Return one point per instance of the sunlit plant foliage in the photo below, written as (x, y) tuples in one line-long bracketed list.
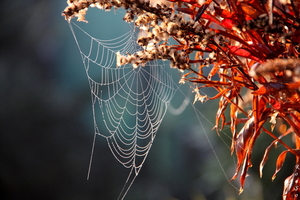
[(251, 49)]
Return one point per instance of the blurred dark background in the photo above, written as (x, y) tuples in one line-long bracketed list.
[(47, 127)]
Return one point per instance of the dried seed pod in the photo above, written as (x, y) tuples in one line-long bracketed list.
[(143, 41), (275, 65), (172, 28), (128, 16)]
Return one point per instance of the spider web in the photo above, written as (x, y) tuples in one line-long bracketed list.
[(129, 102)]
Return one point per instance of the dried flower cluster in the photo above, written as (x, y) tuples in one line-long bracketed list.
[(247, 44)]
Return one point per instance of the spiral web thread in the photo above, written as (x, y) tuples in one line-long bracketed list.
[(129, 103)]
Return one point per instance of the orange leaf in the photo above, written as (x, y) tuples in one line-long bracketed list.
[(249, 10), (223, 103), (222, 93), (279, 163), (233, 120), (267, 151), (265, 158), (247, 163), (269, 88)]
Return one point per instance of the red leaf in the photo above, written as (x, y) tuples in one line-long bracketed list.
[(265, 51), (296, 36), (242, 145), (229, 23), (224, 13), (211, 18), (238, 39), (242, 52)]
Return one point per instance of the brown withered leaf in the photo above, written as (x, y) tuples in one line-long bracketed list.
[(225, 99), (244, 144), (241, 146)]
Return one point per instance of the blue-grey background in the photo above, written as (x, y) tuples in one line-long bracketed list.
[(47, 127)]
